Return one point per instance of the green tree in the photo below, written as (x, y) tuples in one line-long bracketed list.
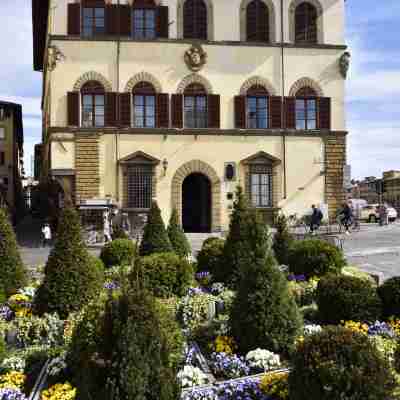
[(177, 237), (283, 239), (13, 274), (264, 314), (72, 278), (155, 238)]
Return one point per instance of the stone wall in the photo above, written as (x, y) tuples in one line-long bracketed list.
[(335, 159), (87, 166)]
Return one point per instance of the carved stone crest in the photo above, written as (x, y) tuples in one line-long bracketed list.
[(344, 64), (195, 58), (54, 56)]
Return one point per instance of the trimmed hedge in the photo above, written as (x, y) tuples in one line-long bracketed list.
[(164, 274), (389, 292), (338, 363), (344, 298), (118, 252), (313, 257), (209, 257)]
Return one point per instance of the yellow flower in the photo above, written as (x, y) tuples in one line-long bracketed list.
[(356, 326), (276, 385), (224, 344), (13, 380), (395, 325), (59, 391)]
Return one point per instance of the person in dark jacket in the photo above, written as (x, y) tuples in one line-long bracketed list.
[(347, 217), (316, 219)]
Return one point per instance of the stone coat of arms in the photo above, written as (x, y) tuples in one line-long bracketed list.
[(195, 58)]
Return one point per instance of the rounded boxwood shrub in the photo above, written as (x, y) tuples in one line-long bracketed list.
[(13, 274), (164, 274), (313, 257), (344, 298), (209, 257), (71, 277), (338, 363), (118, 252), (389, 292)]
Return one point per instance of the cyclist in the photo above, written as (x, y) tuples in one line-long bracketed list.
[(346, 217), (316, 218)]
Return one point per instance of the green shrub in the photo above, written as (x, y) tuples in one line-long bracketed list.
[(97, 263), (396, 361), (389, 292), (283, 240), (118, 252), (177, 237), (13, 274), (338, 363), (314, 257), (164, 274), (264, 314), (119, 233), (344, 298), (71, 278), (3, 349), (209, 257), (155, 238)]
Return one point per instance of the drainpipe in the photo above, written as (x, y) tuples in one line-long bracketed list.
[(283, 107), (117, 111)]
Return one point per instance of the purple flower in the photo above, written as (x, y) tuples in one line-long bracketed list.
[(381, 329), (202, 275), (193, 291), (6, 313), (111, 285), (229, 366), (297, 278), (11, 394)]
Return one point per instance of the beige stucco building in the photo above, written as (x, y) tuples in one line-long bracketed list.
[(182, 100)]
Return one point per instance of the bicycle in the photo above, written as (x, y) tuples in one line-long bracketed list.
[(353, 226)]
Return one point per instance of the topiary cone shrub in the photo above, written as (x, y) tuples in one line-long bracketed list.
[(283, 240), (345, 298), (389, 293), (177, 237), (118, 252), (209, 258), (338, 363), (72, 278), (155, 238), (13, 274), (264, 314)]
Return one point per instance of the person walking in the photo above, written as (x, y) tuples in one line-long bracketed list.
[(46, 231), (316, 218)]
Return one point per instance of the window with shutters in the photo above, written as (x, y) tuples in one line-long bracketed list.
[(261, 185), (93, 104), (144, 23), (257, 21), (140, 185), (306, 109), (257, 108), (195, 106), (144, 105), (195, 20), (306, 23), (93, 20)]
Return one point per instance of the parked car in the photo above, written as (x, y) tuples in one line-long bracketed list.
[(370, 213)]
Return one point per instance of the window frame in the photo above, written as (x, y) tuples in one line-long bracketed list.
[(310, 31), (142, 195), (144, 9), (307, 95), (196, 92), (258, 93), (145, 90), (93, 18), (197, 20), (93, 90), (260, 171), (257, 22)]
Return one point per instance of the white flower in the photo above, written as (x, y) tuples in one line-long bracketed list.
[(14, 364), (191, 376), (312, 329), (263, 359)]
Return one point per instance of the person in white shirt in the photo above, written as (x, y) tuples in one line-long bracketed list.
[(46, 231)]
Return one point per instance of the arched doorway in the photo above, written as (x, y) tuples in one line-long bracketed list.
[(196, 203)]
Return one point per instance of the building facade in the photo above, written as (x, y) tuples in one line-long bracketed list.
[(11, 153), (181, 101)]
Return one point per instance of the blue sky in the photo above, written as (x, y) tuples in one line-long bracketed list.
[(373, 87)]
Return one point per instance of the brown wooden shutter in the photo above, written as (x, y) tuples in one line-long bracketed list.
[(111, 19), (290, 112), (177, 110), (125, 109), (111, 109), (324, 113), (125, 20), (74, 19), (240, 112), (214, 111), (163, 22), (275, 112), (162, 110), (73, 108)]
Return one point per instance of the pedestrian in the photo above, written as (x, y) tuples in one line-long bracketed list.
[(347, 217), (383, 215), (46, 231), (107, 226), (316, 219)]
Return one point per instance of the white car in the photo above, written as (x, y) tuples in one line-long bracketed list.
[(370, 213)]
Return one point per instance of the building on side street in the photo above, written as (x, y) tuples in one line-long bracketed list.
[(180, 101), (11, 157)]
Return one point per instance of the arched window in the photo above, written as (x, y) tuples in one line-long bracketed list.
[(306, 109), (306, 23), (144, 14), (93, 18), (257, 21), (195, 19), (257, 107), (93, 99), (195, 106), (144, 105)]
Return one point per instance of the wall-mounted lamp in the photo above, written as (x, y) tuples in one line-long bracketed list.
[(165, 165)]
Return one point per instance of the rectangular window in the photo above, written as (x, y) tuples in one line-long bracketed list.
[(261, 186), (2, 158), (140, 186), (257, 112), (144, 111), (144, 23), (92, 110), (196, 115), (93, 20), (2, 133), (306, 114)]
